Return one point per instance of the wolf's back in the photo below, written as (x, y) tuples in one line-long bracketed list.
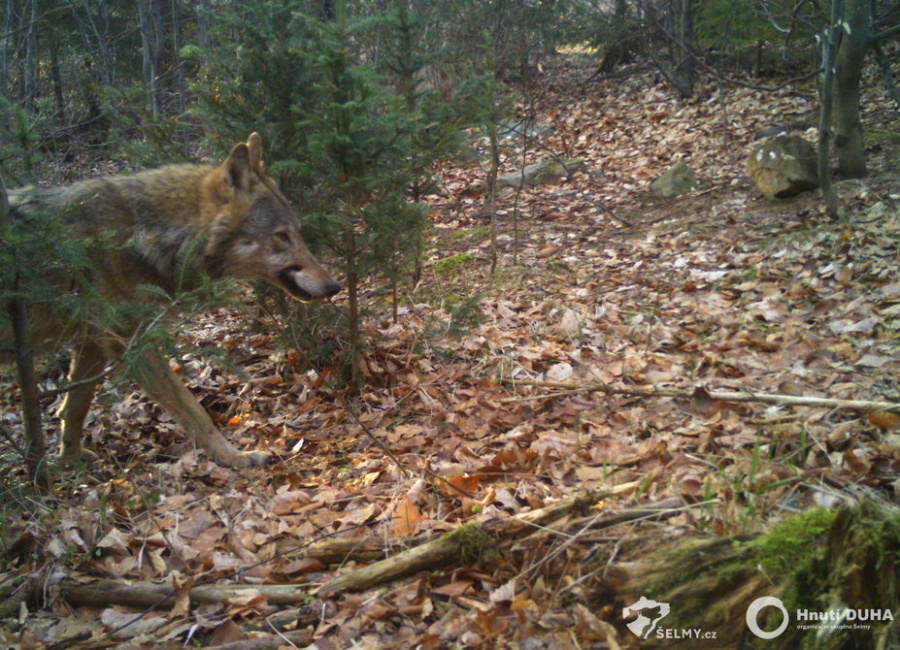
[(168, 195)]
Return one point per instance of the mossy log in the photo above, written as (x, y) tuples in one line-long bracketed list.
[(467, 544), (834, 571)]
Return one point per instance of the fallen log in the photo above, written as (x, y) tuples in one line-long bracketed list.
[(144, 594), (337, 551), (465, 545), (824, 579)]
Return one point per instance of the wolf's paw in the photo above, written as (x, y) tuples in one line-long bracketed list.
[(77, 459), (248, 459), (257, 458)]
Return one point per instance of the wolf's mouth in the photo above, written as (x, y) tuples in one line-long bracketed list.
[(289, 279)]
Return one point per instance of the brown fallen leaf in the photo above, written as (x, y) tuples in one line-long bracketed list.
[(406, 518), (181, 585), (884, 419), (547, 251)]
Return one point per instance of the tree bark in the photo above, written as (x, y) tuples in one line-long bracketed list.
[(152, 42), (829, 49), (100, 58), (159, 595), (856, 39), (6, 50), (17, 308), (885, 65), (56, 77), (684, 71), (454, 545)]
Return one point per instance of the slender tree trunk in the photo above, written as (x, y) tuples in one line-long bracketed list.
[(354, 381), (56, 77), (621, 39), (88, 90), (884, 64), (152, 42), (203, 12), (5, 49), (684, 71), (180, 83), (17, 308), (94, 30), (829, 47), (490, 191), (856, 39), (29, 77)]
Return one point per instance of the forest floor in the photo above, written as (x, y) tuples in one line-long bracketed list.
[(498, 392)]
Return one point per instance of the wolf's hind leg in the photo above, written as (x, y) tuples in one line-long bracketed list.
[(160, 382), (87, 363)]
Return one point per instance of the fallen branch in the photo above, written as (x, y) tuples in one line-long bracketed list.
[(101, 593), (339, 551), (464, 545), (461, 543), (453, 545), (700, 393)]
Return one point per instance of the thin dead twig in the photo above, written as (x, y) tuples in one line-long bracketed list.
[(698, 393)]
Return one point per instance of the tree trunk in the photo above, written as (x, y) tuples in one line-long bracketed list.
[(56, 77), (6, 50), (848, 133), (17, 308), (884, 64), (684, 71), (152, 41), (354, 380), (29, 78), (181, 90), (490, 193), (203, 12), (621, 42), (829, 48), (99, 42)]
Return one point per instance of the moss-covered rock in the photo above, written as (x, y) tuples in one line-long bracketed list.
[(545, 172)]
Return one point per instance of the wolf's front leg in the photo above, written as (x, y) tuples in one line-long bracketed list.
[(160, 382), (87, 364)]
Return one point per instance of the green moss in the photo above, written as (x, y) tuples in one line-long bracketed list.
[(449, 265), (476, 233), (794, 543), (474, 544), (701, 574)]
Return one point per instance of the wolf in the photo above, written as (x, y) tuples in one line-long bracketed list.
[(166, 227)]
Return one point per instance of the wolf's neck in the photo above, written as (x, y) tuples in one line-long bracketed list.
[(174, 254)]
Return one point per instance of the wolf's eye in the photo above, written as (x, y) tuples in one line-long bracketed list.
[(245, 244), (284, 238)]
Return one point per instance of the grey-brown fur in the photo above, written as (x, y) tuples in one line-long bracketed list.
[(166, 227)]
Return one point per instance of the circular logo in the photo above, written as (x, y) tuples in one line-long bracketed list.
[(753, 613)]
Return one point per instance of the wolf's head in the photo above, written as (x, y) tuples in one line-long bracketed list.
[(255, 233)]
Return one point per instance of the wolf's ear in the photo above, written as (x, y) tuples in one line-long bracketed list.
[(254, 144), (238, 169)]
